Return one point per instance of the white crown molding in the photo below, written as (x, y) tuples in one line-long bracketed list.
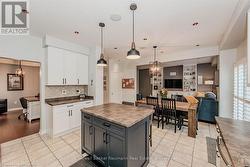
[(241, 8)]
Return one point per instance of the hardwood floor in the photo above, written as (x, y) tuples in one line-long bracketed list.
[(12, 128)]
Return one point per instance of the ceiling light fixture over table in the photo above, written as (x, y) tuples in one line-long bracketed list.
[(133, 53), (155, 66), (102, 62)]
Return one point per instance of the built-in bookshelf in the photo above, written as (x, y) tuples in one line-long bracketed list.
[(189, 78)]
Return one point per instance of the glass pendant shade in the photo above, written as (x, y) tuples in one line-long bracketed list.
[(19, 70)]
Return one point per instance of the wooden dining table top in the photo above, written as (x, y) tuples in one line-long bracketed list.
[(181, 106)]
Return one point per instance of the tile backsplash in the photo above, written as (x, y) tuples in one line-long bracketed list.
[(65, 91)]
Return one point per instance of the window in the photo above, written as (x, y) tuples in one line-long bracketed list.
[(241, 92)]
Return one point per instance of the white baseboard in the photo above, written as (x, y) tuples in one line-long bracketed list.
[(14, 109)]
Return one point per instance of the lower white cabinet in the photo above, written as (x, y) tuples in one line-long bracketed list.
[(64, 118)]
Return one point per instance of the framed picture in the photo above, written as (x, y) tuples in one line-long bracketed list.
[(14, 82), (128, 83)]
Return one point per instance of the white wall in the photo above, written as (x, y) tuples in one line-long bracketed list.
[(124, 68), (227, 59)]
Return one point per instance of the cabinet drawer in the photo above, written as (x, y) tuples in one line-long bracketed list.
[(117, 129), (87, 117)]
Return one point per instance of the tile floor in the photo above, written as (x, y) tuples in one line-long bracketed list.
[(169, 149)]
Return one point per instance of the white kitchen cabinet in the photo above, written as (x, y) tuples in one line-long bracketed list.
[(55, 67), (60, 119), (66, 68), (64, 118), (82, 69)]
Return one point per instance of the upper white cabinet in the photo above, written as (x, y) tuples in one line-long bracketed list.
[(66, 68)]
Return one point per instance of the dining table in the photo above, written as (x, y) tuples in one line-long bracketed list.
[(184, 107)]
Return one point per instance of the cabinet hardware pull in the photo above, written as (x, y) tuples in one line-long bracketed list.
[(104, 137), (107, 138), (90, 130), (78, 81), (87, 117), (106, 124), (221, 154), (69, 113), (65, 81)]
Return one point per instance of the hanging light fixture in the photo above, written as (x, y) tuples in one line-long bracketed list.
[(19, 70), (155, 66), (102, 62), (133, 53)]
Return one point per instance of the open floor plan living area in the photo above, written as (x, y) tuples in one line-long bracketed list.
[(115, 83)]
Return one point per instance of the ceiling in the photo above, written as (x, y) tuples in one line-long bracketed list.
[(16, 62), (166, 23)]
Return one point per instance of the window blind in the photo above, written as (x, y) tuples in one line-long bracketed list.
[(241, 105)]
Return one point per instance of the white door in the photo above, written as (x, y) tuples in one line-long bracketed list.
[(55, 63), (70, 67), (82, 69), (61, 119), (115, 93)]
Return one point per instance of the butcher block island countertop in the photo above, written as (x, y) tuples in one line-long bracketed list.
[(120, 114), (116, 135)]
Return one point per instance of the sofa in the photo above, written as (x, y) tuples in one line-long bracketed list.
[(208, 109)]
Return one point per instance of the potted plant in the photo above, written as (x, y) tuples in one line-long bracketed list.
[(164, 93)]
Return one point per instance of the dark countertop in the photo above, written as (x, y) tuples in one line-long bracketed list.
[(32, 99), (67, 100), (236, 135), (120, 114)]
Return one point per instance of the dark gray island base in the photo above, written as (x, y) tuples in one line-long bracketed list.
[(116, 135)]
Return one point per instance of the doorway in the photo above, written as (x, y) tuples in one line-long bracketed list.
[(20, 107), (145, 88)]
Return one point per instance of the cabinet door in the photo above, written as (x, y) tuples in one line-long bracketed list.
[(87, 138), (100, 146), (82, 69), (75, 118), (70, 69), (55, 69), (61, 119), (116, 150)]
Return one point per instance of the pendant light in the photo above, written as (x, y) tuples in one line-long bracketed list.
[(133, 53), (102, 62), (19, 70), (155, 66)]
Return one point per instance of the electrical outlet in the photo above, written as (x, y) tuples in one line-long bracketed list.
[(64, 92)]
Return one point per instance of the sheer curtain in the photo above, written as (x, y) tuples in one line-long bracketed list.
[(241, 92)]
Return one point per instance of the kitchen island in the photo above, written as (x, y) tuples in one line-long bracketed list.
[(116, 134)]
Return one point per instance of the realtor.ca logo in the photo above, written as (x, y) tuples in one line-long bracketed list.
[(14, 17)]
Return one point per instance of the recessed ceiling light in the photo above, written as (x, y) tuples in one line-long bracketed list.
[(76, 32), (195, 23), (197, 45), (115, 48), (145, 39), (115, 17)]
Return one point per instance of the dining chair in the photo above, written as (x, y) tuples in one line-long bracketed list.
[(169, 112), (153, 101)]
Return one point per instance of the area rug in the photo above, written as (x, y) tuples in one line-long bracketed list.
[(85, 162), (211, 150)]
